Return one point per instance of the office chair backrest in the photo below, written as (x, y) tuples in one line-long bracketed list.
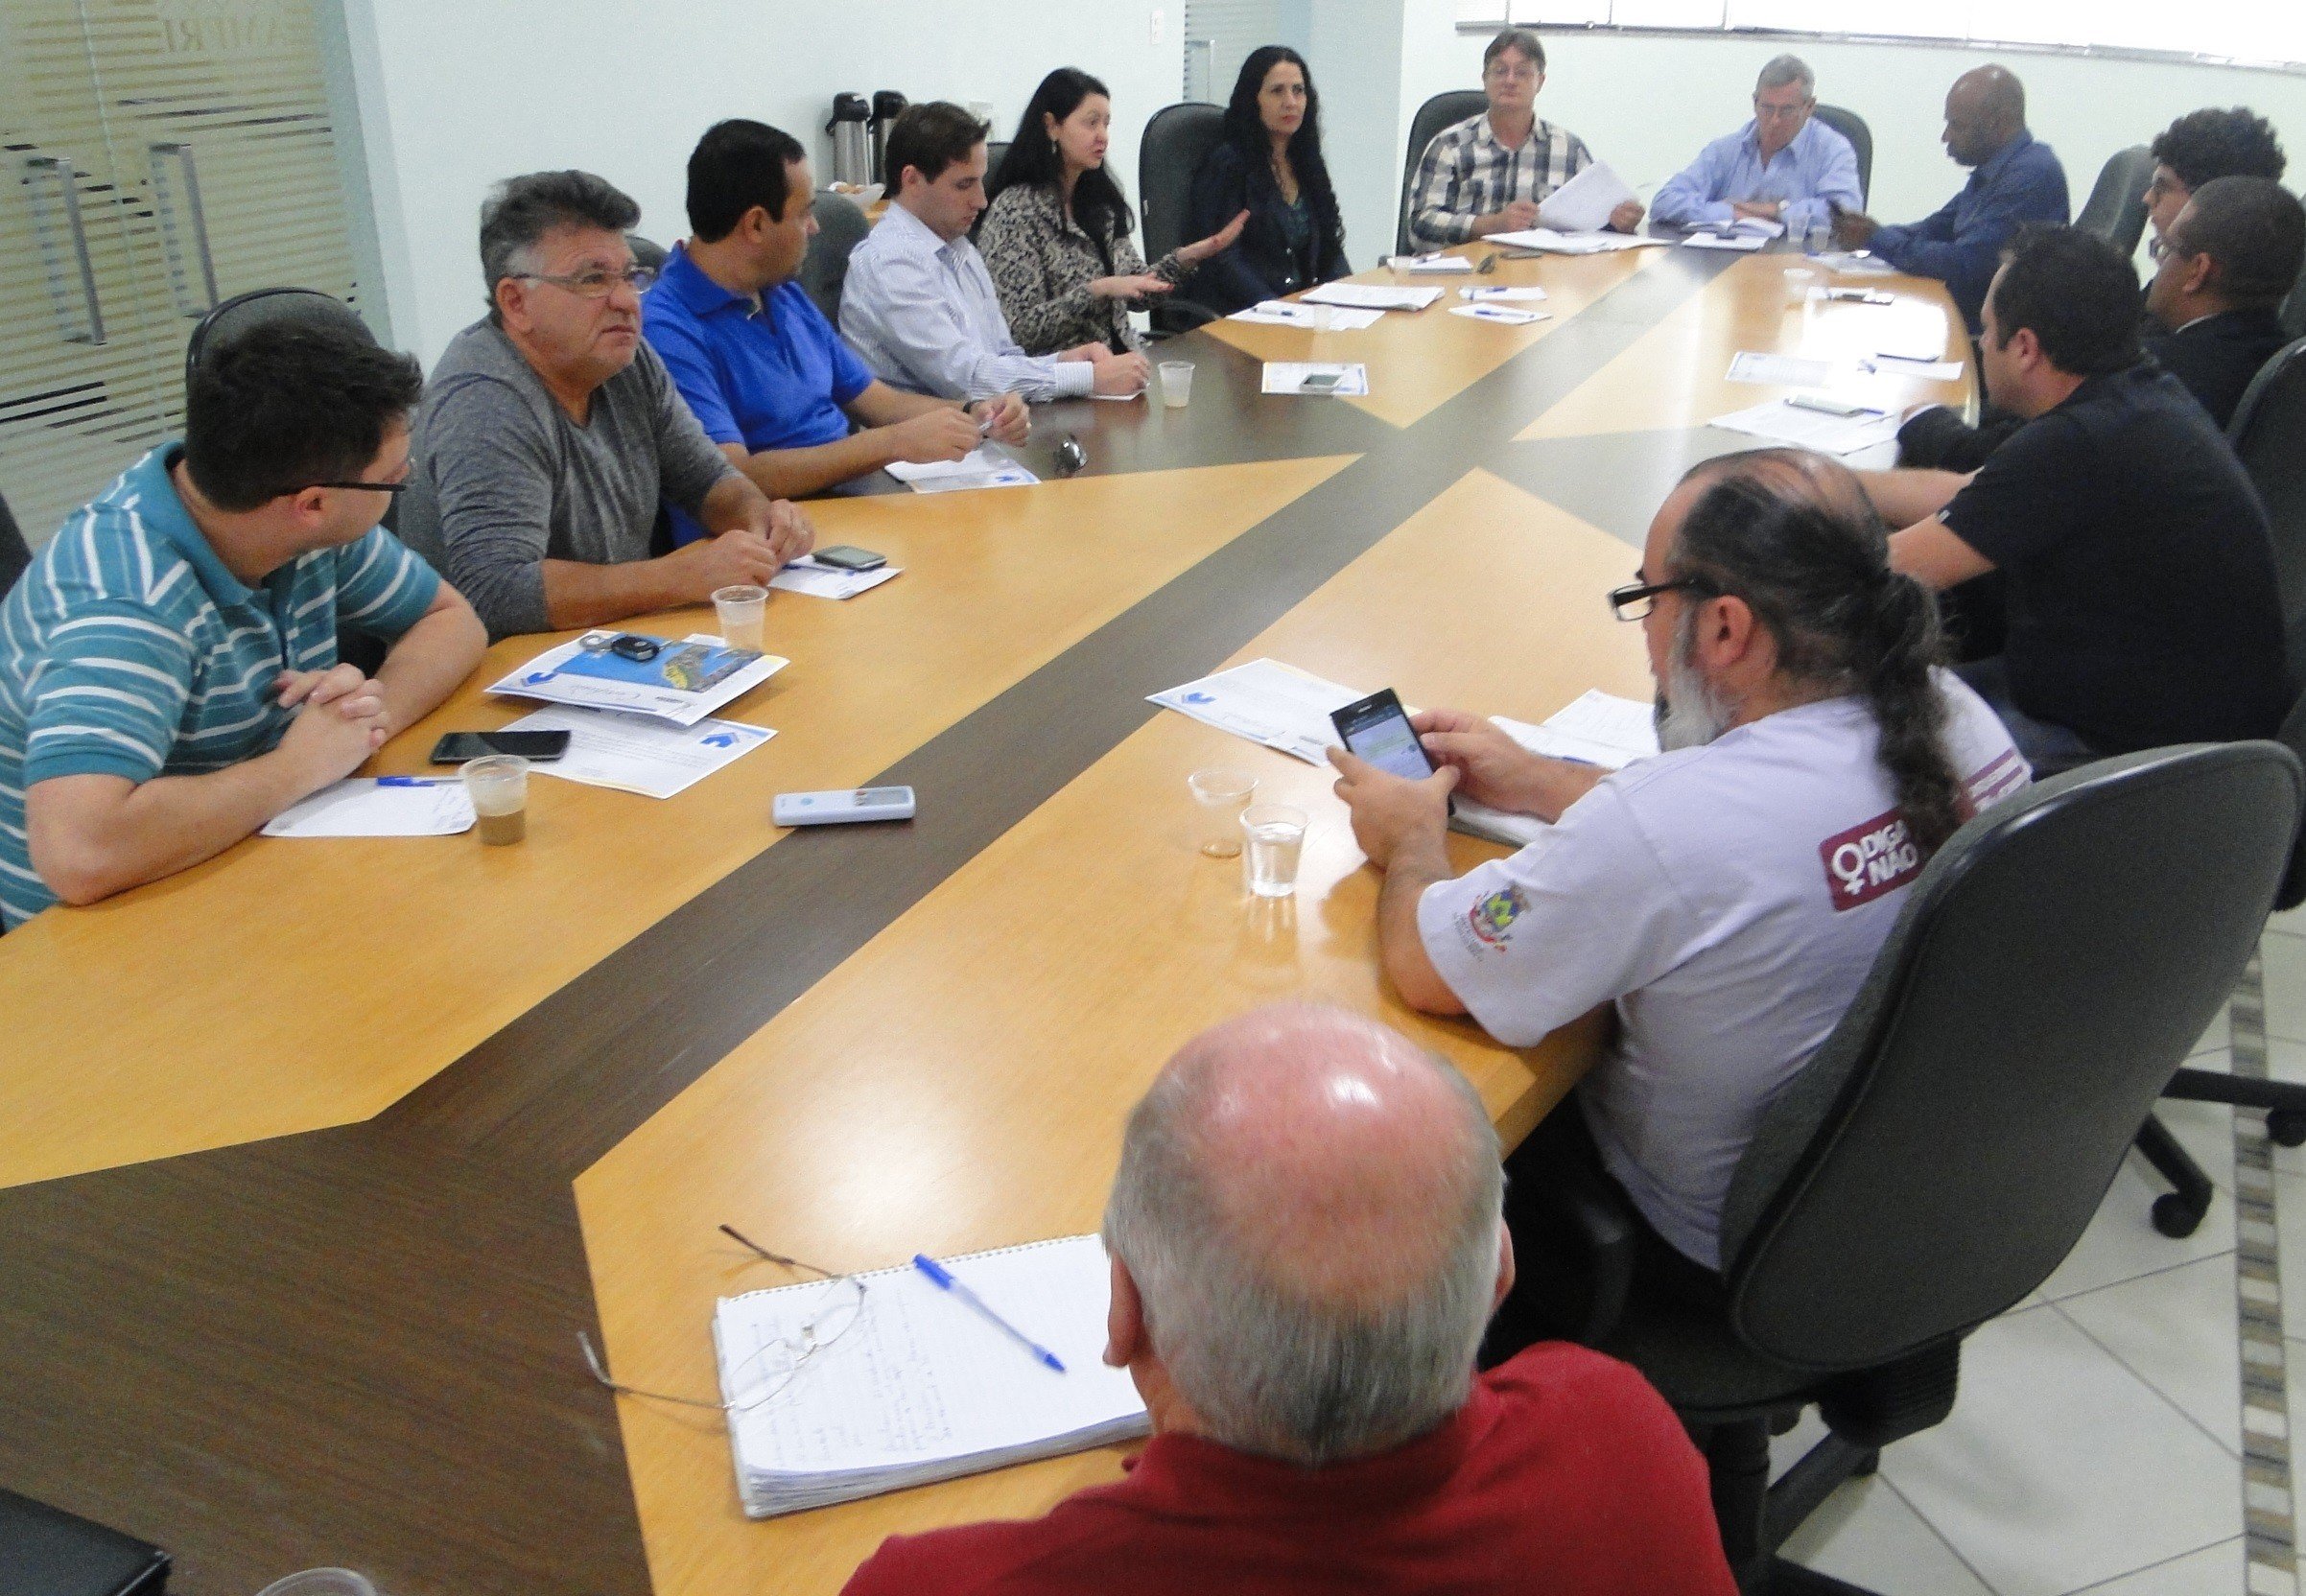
[(2294, 309), (995, 150), (2116, 210), (14, 552), (841, 227), (1945, 1147), (646, 251), (1852, 127), (2269, 433), (1440, 111), (1169, 156), (260, 306)]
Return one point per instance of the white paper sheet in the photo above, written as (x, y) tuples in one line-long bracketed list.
[(1548, 241), (1318, 318), (1370, 297), (1854, 263), (1530, 295), (829, 581), (984, 466), (1436, 262), (633, 755), (1760, 227), (1290, 377), (1583, 204), (1267, 702), (1598, 729), (1505, 316), (1746, 242), (1751, 366), (1927, 371), (422, 805), (538, 679), (1831, 435)]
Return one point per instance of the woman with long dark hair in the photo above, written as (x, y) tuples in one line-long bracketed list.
[(1056, 236), (1269, 165)]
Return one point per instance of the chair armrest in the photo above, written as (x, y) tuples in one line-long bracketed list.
[(1173, 316)]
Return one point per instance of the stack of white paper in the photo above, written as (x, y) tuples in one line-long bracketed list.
[(1725, 240), (1368, 296), (1435, 262), (1290, 377), (543, 678), (1548, 241), (918, 1387), (1319, 318), (1583, 204), (633, 755), (984, 466), (1267, 702), (828, 582), (386, 806), (1783, 422), (1599, 729)]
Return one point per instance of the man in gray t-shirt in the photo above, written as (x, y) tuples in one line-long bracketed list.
[(549, 434)]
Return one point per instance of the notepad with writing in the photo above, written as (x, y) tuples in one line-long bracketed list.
[(920, 1388)]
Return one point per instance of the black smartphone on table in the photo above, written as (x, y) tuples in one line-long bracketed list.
[(847, 556), (1377, 729), (456, 747)]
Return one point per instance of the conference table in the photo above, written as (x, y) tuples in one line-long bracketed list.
[(318, 1158)]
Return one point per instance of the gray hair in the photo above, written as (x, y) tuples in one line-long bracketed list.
[(1782, 70), (520, 211), (1266, 1369)]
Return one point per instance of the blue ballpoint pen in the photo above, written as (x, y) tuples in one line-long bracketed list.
[(406, 780), (943, 1277)]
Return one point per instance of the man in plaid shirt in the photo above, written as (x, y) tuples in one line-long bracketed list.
[(1487, 175)]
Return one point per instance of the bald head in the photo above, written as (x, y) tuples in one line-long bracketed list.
[(1985, 109), (1308, 1204)]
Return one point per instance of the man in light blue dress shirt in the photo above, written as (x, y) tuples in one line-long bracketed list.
[(918, 305), (1782, 166)]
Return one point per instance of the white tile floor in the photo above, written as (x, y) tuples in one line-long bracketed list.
[(2096, 1446)]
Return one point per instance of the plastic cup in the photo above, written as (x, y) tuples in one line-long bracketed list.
[(1219, 796), (1176, 382), (499, 789), (1818, 240), (743, 610), (320, 1582), (1274, 837), (1799, 281)]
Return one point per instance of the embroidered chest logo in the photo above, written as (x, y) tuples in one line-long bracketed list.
[(1493, 917), (1868, 859)]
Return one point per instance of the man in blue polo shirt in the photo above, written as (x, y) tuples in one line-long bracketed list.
[(169, 679), (2015, 179), (758, 363)]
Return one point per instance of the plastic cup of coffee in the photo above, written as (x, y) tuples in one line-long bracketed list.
[(1176, 383), (320, 1582), (1219, 796), (742, 610), (499, 789)]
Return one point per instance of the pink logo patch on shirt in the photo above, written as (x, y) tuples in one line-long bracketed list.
[(1870, 859)]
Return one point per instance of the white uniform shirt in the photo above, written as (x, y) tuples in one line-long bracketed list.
[(1729, 900)]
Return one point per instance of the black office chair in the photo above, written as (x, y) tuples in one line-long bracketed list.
[(994, 151), (2269, 433), (1947, 1145), (1852, 127), (14, 552), (1175, 143), (646, 252), (841, 227), (1440, 111), (2116, 210), (2294, 309)]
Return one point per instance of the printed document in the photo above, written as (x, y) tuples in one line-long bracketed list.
[(398, 806), (1583, 204), (1505, 316), (657, 687), (1598, 729), (1267, 702), (1290, 377), (1318, 318), (1724, 241), (828, 582), (1368, 296), (984, 466), (1832, 434), (1749, 365), (1506, 296), (633, 755), (1547, 241)]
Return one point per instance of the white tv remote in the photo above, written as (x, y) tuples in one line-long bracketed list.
[(831, 809)]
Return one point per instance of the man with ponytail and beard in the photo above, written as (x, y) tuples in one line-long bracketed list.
[(1727, 896)]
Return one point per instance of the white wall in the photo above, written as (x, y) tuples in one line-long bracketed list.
[(456, 95), (1354, 49), (1646, 104)]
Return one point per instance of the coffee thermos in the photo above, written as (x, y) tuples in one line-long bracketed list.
[(887, 105), (853, 153)]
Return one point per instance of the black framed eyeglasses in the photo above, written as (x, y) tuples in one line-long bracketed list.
[(363, 488), (1634, 600)]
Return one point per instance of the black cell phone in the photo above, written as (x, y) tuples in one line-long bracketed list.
[(847, 556), (456, 747), (1377, 729), (1321, 382)]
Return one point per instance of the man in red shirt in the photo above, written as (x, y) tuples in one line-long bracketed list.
[(1307, 1246)]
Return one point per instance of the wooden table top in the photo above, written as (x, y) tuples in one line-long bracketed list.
[(322, 1154)]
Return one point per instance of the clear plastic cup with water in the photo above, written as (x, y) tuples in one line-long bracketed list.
[(1176, 383), (1818, 239), (741, 612), (320, 1582), (1273, 838), (1219, 796)]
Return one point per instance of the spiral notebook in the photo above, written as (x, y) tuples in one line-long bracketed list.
[(920, 1388)]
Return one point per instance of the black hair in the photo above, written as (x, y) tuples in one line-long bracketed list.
[(1794, 536), (1245, 130), (2203, 145), (1033, 162), (2076, 293), (930, 137), (520, 211), (1522, 39), (288, 404), (737, 165), (2253, 229)]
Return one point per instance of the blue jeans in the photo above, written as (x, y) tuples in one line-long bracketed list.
[(2047, 746)]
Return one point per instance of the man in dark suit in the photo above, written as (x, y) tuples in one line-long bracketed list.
[(2227, 260)]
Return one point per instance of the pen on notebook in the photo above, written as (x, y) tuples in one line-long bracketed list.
[(945, 1281), (406, 780)]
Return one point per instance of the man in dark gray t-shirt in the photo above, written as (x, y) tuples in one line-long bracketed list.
[(549, 434)]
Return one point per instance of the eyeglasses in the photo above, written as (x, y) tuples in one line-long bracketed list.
[(1634, 600), (596, 285), (361, 487), (773, 1367)]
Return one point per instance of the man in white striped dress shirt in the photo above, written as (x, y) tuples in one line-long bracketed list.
[(169, 679)]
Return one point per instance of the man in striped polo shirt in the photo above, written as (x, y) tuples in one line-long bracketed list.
[(169, 679)]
